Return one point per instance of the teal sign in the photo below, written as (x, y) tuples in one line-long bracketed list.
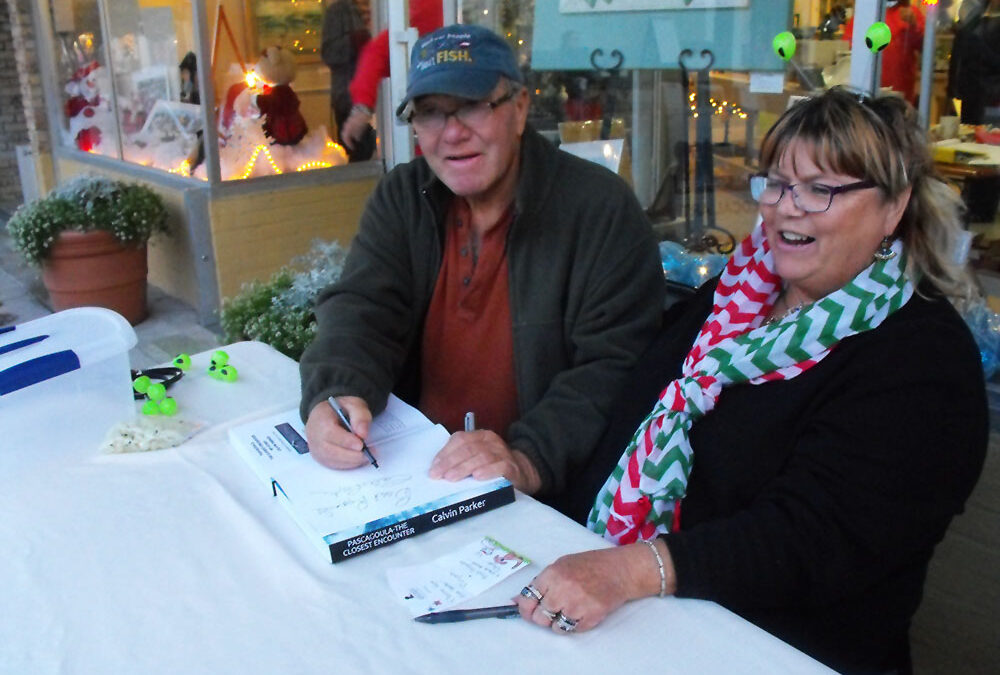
[(581, 39)]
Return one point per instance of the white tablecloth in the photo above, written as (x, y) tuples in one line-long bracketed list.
[(181, 561)]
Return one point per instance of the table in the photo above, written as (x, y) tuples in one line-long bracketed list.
[(979, 177), (987, 164), (181, 561)]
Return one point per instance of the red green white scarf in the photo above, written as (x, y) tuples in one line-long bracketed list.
[(641, 497)]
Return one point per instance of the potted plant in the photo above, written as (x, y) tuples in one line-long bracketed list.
[(89, 236), (279, 312)]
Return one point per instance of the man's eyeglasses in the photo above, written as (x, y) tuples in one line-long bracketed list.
[(810, 197), (430, 119)]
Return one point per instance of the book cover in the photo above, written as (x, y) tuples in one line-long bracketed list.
[(346, 513)]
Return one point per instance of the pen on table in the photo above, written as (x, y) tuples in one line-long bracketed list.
[(470, 421), (451, 616), (347, 425)]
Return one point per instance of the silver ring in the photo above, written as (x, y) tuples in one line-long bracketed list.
[(564, 623), (530, 591), (551, 616)]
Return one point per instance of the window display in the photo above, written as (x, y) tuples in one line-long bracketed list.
[(129, 71), (88, 107), (273, 118), (693, 86), (660, 92), (85, 80), (261, 128)]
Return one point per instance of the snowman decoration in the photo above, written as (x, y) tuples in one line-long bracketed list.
[(86, 110)]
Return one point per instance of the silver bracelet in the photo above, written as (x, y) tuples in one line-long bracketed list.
[(659, 563), (361, 108)]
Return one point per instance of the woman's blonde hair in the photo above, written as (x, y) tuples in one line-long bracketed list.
[(879, 139)]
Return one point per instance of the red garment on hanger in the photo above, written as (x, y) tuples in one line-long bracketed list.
[(900, 58), (373, 62)]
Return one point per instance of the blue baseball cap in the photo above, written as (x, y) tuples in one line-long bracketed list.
[(461, 60)]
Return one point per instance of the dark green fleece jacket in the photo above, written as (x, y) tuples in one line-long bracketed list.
[(586, 296)]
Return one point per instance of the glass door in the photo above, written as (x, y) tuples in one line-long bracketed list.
[(406, 21)]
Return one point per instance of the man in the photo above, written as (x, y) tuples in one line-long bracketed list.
[(343, 36), (493, 274)]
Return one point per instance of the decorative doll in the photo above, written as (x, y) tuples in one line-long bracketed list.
[(278, 104)]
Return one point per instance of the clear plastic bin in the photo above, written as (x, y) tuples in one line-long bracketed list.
[(64, 381)]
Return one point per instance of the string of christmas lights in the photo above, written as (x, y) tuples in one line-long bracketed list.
[(718, 107)]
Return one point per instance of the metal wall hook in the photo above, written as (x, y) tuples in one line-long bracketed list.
[(620, 59), (709, 243), (687, 53)]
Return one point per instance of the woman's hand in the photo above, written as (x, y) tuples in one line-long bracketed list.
[(586, 587)]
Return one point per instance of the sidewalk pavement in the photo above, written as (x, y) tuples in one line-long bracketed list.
[(171, 328)]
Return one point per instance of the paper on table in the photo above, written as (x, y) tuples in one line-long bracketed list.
[(454, 578)]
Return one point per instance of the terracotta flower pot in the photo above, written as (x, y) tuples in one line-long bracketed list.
[(94, 269)]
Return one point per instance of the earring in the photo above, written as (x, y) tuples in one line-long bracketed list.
[(884, 251)]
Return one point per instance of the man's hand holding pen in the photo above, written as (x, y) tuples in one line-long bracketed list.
[(479, 453), (482, 454), (330, 443)]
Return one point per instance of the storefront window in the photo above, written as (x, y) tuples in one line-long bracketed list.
[(129, 72), (674, 96), (153, 57), (84, 79), (275, 103), (690, 88)]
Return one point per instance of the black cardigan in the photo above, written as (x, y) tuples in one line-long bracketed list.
[(815, 503)]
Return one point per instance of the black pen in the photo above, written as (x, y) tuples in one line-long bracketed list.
[(451, 616), (347, 425)]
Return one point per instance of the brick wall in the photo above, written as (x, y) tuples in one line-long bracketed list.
[(22, 103), (13, 129)]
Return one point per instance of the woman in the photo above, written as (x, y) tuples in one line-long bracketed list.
[(189, 79), (831, 414)]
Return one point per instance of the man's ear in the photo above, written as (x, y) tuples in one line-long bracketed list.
[(522, 102)]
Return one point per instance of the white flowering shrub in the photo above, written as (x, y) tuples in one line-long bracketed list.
[(133, 213), (280, 311)]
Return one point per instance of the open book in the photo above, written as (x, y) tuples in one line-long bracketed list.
[(346, 513)]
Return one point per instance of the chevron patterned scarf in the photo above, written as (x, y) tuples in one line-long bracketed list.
[(641, 497)]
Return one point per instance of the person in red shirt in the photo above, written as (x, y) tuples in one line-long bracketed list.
[(900, 58), (373, 65), (344, 36)]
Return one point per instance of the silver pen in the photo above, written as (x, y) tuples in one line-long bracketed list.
[(453, 615), (470, 421)]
